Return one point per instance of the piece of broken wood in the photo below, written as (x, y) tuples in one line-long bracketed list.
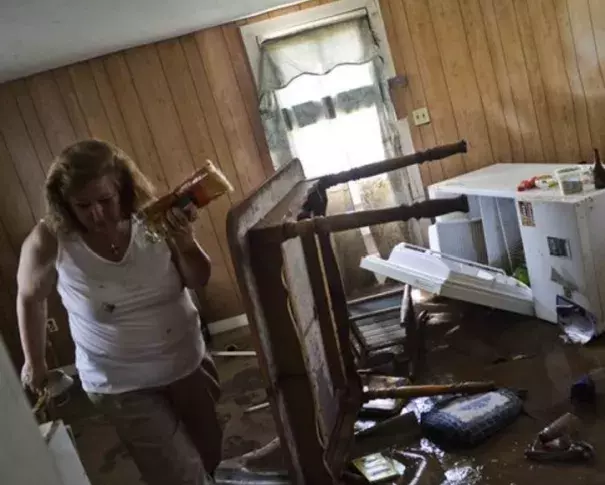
[(257, 407)]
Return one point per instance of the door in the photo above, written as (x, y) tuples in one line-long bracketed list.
[(451, 277)]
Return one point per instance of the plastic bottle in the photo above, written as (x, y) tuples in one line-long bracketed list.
[(199, 189)]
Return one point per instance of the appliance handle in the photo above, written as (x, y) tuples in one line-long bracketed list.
[(491, 269)]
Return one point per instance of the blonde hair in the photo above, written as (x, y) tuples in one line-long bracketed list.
[(81, 163)]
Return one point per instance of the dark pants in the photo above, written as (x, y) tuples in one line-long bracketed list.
[(173, 432)]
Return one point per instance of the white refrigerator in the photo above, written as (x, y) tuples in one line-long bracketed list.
[(560, 239)]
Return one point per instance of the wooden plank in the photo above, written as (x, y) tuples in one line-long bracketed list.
[(197, 136), (21, 153), (558, 93), (90, 102), (536, 83), (51, 111), (486, 80), (15, 210), (221, 78), (245, 81), (70, 99), (414, 93), (519, 82), (158, 105), (112, 109), (402, 95), (208, 104), (596, 14), (494, 42), (34, 128), (575, 82), (143, 145), (435, 87), (462, 84)]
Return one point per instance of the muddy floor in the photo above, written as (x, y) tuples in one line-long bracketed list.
[(464, 342)]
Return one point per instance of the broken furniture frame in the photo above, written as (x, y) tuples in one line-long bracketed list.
[(287, 273)]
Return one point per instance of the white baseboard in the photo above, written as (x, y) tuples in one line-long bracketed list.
[(228, 324)]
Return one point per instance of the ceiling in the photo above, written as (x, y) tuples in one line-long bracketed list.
[(36, 35)]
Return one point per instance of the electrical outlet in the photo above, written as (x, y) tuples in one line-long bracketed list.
[(421, 116), (51, 325)]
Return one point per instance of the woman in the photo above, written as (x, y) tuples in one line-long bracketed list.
[(140, 353)]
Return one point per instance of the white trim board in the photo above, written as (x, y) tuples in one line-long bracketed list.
[(228, 324)]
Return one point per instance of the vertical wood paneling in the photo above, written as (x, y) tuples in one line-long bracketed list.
[(215, 126), (486, 80), (72, 105), (51, 111), (461, 81), (575, 82), (245, 81), (519, 81), (403, 96), (21, 152), (112, 110), (143, 145), (430, 66), (495, 42), (226, 93), (90, 102), (34, 128), (558, 91), (535, 81)]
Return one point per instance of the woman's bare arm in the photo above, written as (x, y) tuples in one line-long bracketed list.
[(35, 279)]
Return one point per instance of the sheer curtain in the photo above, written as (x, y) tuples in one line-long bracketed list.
[(324, 99)]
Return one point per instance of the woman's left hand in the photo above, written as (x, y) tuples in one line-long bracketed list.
[(179, 222)]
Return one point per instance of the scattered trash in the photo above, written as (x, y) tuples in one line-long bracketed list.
[(564, 426), (557, 442), (578, 323), (589, 386), (468, 421), (376, 468), (452, 331), (257, 407)]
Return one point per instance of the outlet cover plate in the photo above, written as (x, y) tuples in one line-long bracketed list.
[(421, 116)]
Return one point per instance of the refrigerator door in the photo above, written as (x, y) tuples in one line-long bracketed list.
[(455, 278)]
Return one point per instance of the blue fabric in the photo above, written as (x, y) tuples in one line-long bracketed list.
[(470, 420)]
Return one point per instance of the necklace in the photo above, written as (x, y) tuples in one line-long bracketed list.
[(114, 249)]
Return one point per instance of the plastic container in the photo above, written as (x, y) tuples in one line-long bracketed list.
[(570, 180)]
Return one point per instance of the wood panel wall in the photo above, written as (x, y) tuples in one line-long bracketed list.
[(521, 80), (170, 105)]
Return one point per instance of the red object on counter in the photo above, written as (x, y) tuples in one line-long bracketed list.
[(527, 184)]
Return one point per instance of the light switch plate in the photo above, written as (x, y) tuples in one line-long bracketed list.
[(421, 116)]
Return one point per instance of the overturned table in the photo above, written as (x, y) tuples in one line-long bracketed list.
[(293, 295)]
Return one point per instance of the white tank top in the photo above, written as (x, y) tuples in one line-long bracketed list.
[(133, 323)]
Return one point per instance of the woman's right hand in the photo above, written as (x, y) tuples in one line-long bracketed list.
[(34, 377)]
